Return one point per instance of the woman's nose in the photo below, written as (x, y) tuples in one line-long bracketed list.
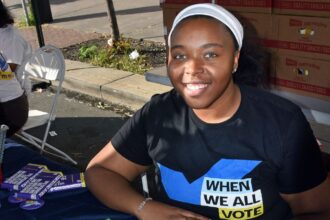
[(194, 66)]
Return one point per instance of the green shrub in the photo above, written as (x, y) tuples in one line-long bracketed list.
[(86, 52), (115, 56)]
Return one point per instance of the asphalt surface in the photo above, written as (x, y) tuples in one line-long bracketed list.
[(81, 128)]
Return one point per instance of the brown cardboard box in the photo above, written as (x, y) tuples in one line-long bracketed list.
[(306, 36), (258, 6), (318, 8), (302, 76), (257, 25), (169, 13), (187, 2)]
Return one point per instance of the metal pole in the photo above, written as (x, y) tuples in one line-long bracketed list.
[(3, 131), (112, 16), (25, 13), (213, 1), (38, 23)]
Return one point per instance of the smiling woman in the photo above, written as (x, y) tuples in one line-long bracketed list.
[(221, 149), (200, 66)]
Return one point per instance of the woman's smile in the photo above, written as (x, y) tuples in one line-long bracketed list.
[(195, 89)]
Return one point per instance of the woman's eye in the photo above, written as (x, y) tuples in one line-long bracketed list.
[(179, 56), (210, 55)]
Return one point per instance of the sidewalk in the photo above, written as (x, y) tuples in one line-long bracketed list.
[(110, 85), (115, 86), (57, 36)]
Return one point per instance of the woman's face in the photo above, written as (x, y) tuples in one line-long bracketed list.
[(201, 60)]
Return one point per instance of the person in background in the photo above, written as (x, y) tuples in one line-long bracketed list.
[(14, 87), (222, 149)]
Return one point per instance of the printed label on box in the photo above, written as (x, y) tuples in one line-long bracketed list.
[(304, 76), (302, 5), (246, 3)]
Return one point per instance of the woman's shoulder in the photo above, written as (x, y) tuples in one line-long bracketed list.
[(165, 98), (6, 34), (11, 36), (266, 99), (164, 102)]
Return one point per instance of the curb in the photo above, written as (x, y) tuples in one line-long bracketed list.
[(114, 86)]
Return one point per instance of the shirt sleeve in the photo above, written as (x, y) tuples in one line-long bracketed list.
[(131, 139), (17, 48), (303, 167)]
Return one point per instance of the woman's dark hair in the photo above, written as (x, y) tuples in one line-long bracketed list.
[(253, 64), (5, 16)]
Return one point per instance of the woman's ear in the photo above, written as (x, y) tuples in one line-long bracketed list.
[(236, 59)]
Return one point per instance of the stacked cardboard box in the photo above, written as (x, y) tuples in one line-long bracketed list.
[(316, 8), (302, 58)]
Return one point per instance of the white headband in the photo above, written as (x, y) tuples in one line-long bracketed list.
[(214, 11)]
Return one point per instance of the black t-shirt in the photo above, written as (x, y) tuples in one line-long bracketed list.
[(231, 170)]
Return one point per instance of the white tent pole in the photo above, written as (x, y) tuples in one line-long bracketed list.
[(25, 12)]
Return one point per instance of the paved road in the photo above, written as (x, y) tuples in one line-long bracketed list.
[(136, 19), (81, 129)]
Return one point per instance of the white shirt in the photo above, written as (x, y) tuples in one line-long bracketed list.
[(15, 50)]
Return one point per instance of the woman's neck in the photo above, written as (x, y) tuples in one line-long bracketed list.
[(223, 109)]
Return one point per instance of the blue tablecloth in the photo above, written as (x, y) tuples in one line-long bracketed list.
[(70, 204)]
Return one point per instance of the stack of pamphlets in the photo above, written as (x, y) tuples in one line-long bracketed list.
[(31, 182)]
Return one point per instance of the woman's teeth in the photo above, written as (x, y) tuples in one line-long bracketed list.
[(196, 86)]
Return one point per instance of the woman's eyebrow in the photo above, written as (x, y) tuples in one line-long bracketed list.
[(212, 45), (176, 46), (205, 46)]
